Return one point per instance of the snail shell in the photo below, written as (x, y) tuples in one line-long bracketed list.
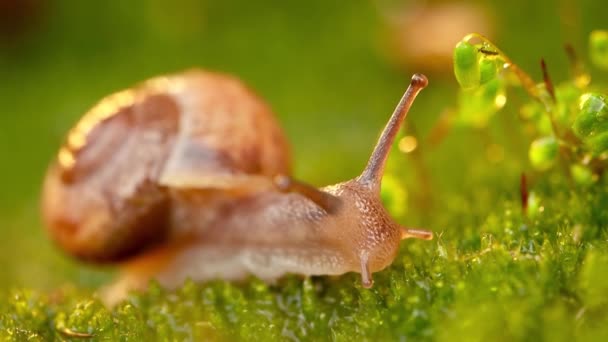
[(112, 190)]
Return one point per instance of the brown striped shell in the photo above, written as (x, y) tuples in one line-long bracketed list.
[(108, 194)]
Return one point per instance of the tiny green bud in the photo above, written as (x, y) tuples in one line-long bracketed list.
[(466, 65), (593, 115), (591, 122), (543, 153), (598, 46), (487, 70), (582, 175)]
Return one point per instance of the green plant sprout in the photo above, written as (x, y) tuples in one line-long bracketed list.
[(570, 119)]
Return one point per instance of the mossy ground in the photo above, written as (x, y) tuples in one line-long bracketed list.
[(492, 273)]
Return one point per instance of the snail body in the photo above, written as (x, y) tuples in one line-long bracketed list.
[(187, 176)]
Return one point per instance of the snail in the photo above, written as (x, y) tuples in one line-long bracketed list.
[(187, 176)]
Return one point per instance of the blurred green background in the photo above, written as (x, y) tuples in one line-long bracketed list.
[(331, 70)]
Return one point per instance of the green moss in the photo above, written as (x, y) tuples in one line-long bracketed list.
[(543, 153), (512, 277)]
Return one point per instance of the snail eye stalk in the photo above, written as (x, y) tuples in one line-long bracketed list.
[(372, 175)]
